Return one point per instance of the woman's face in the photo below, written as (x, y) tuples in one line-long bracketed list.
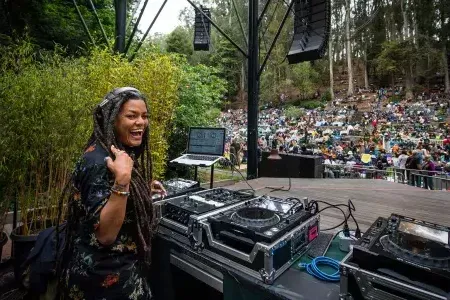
[(132, 122)]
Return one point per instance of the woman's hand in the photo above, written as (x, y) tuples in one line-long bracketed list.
[(121, 167), (156, 187)]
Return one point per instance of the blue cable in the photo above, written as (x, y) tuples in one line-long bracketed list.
[(313, 269)]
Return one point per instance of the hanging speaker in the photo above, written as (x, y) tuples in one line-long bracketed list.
[(202, 30), (312, 23)]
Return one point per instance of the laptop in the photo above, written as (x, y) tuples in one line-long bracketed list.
[(205, 147)]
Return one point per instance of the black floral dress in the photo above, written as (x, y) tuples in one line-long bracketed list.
[(96, 271)]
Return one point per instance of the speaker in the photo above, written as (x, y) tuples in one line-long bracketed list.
[(291, 165), (202, 30), (312, 23)]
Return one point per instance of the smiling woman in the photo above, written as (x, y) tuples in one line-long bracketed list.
[(110, 215)]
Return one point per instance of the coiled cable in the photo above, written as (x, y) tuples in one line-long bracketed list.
[(313, 269)]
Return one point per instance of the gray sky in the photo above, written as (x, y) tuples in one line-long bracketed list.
[(167, 20)]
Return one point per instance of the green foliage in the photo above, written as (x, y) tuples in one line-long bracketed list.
[(46, 117), (51, 22), (294, 112), (326, 97), (310, 104), (179, 41), (305, 78), (200, 94), (229, 65)]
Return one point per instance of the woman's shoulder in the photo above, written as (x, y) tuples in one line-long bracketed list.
[(95, 154)]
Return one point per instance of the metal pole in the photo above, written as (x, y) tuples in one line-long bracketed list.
[(266, 6), (218, 28), (240, 22), (130, 40), (121, 24), (253, 67), (83, 22), (99, 23), (148, 30), (286, 15)]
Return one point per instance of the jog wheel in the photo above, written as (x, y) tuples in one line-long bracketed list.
[(255, 217)]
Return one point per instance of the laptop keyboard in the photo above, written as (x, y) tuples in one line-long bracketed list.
[(201, 157)]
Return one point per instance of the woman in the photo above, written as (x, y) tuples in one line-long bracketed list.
[(109, 224)]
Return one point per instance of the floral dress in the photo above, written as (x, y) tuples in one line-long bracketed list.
[(96, 271)]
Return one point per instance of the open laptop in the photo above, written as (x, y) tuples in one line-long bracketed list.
[(205, 147)]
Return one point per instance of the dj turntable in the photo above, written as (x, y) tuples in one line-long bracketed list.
[(406, 259), (261, 237)]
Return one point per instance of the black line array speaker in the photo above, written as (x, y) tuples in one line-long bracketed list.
[(312, 23), (202, 30), (291, 165)]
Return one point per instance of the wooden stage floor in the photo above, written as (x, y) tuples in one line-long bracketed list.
[(372, 199)]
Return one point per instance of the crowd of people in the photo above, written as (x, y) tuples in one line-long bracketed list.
[(378, 130)]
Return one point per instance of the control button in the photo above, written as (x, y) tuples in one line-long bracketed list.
[(274, 229), (268, 232), (379, 223)]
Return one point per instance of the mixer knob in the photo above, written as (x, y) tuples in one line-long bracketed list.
[(379, 223)]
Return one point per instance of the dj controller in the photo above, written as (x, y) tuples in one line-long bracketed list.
[(180, 209), (260, 236), (399, 258), (177, 187)]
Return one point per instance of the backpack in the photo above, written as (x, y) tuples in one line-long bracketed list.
[(40, 265)]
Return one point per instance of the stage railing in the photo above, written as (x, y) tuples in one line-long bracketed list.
[(420, 178)]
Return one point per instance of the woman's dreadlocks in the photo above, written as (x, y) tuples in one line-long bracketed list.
[(105, 115)]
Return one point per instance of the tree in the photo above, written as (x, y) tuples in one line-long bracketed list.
[(348, 48), (50, 22), (178, 41), (330, 61)]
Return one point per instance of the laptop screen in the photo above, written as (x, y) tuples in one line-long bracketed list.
[(209, 141)]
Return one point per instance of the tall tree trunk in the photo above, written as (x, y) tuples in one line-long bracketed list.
[(366, 73), (349, 51), (444, 35), (445, 62), (405, 27), (405, 35), (330, 58)]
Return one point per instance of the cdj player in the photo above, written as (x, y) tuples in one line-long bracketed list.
[(406, 259), (261, 237)]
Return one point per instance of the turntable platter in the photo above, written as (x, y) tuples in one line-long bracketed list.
[(255, 217), (425, 253)]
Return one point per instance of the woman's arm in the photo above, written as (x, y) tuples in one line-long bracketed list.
[(112, 214), (111, 218)]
